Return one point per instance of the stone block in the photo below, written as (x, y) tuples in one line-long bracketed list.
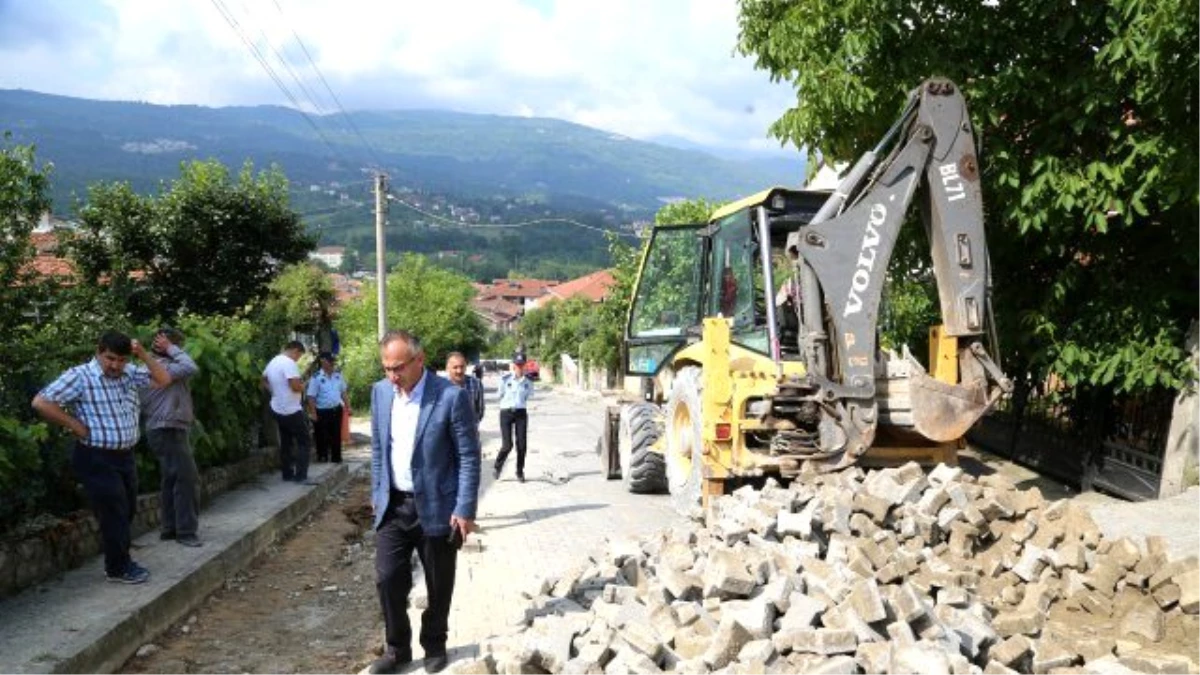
[(1011, 651), (954, 597), (1018, 623), (1152, 662), (726, 576), (1094, 648), (1103, 578), (756, 615), (803, 611), (996, 668), (794, 524), (876, 508), (676, 556), (824, 641), (1144, 618), (836, 665), (641, 637), (1094, 603), (1049, 655), (729, 639), (757, 651), (1189, 590), (920, 657), (1125, 552), (1166, 595), (906, 603), (691, 643), (680, 584), (943, 474), (874, 657), (866, 601), (901, 632)]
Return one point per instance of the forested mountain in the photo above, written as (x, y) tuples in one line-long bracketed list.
[(479, 171)]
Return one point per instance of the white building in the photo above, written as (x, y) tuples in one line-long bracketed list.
[(330, 256)]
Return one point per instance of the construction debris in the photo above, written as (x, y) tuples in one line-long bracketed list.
[(891, 571)]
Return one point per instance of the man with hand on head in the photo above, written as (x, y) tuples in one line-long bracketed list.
[(169, 417), (98, 403), (425, 489)]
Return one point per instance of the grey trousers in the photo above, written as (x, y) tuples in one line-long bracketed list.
[(179, 502)]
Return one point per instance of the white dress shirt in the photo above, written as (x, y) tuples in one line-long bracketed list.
[(406, 409)]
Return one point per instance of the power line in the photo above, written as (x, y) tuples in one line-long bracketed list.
[(313, 64), (262, 61), (507, 226)]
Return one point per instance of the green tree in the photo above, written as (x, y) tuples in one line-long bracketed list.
[(432, 303), (209, 243), (1087, 117), (23, 198), (299, 298)]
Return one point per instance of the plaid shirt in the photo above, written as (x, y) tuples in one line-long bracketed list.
[(107, 406)]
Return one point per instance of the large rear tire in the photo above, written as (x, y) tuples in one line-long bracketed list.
[(685, 445), (642, 468)]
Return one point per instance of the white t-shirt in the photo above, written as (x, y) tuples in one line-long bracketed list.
[(282, 368)]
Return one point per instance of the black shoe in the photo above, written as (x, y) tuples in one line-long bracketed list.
[(520, 478), (389, 663), (496, 473), (189, 540), (436, 663), (166, 536)]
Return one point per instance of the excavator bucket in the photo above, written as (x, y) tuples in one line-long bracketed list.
[(944, 412)]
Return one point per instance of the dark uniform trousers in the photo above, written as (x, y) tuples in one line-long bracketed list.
[(398, 536), (109, 478)]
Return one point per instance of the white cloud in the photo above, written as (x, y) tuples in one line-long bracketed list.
[(643, 69)]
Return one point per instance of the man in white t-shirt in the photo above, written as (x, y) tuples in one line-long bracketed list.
[(281, 377)]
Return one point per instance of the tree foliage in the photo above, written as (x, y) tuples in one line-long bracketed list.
[(209, 243), (299, 298), (432, 303), (1087, 117)]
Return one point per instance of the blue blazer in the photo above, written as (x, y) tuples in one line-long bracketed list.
[(446, 459)]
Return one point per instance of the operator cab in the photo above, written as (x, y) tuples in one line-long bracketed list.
[(720, 269)]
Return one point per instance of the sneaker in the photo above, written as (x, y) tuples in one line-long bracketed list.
[(134, 574), (190, 540)]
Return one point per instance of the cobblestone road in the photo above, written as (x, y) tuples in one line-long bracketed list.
[(542, 527)]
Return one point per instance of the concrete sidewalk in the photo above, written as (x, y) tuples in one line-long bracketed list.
[(81, 623)]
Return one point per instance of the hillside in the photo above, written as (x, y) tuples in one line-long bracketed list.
[(436, 151)]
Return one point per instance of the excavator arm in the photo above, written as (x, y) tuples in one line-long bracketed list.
[(841, 258)]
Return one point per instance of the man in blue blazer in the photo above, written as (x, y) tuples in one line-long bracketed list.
[(425, 487)]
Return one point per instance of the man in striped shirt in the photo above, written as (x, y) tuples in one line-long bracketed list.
[(456, 372), (98, 403)]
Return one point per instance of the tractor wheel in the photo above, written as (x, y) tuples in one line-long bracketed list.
[(642, 468), (685, 446)]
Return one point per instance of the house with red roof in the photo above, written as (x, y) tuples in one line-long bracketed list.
[(594, 287)]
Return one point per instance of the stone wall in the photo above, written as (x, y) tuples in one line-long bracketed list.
[(51, 549)]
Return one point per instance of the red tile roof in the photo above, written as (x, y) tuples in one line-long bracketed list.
[(517, 288), (594, 287)]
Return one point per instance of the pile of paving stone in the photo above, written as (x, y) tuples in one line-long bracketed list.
[(891, 571)]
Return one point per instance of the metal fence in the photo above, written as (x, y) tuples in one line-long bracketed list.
[(1091, 439)]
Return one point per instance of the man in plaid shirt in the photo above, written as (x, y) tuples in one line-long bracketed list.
[(456, 372), (102, 394)]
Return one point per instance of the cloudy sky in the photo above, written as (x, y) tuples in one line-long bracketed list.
[(643, 68)]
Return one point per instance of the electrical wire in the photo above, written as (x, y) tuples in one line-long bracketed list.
[(262, 61), (507, 226), (313, 64)]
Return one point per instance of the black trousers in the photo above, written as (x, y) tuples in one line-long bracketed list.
[(514, 422), (109, 478), (398, 536), (179, 501), (327, 432), (293, 445)]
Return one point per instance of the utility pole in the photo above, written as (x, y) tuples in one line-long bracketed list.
[(380, 265)]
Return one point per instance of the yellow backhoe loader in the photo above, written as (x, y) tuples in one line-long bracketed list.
[(756, 331)]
